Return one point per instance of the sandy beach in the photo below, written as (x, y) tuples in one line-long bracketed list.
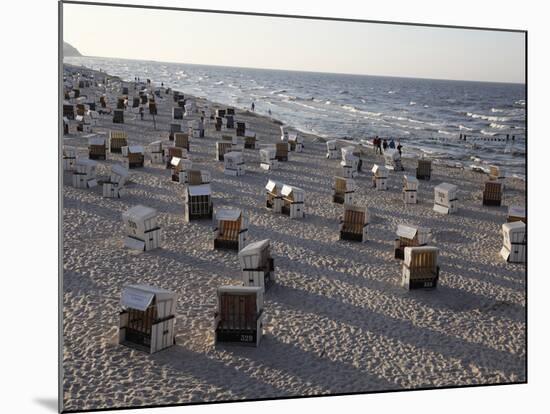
[(337, 319)]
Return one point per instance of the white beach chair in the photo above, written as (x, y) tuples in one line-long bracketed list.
[(257, 265), (293, 201), (410, 236), (379, 177), (410, 189), (445, 198), (142, 230), (514, 242)]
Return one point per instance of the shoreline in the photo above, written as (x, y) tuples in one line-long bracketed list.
[(337, 320)]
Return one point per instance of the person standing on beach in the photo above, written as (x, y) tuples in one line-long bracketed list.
[(392, 144), (385, 144), (399, 147), (269, 112), (253, 106), (141, 112)]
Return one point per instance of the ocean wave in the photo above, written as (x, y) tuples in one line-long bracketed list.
[(489, 133), (463, 128), (412, 103), (218, 83), (498, 126), (487, 117), (440, 131), (278, 91), (496, 110)]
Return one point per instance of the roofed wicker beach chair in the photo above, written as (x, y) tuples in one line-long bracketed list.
[(114, 187), (410, 189), (350, 162), (293, 201), (231, 230), (514, 242), (142, 230), (181, 140), (135, 102), (424, 169), (222, 148), (136, 156), (516, 213), (295, 142), (241, 129), (379, 177), (70, 154), (117, 140), (353, 224), (410, 236), (175, 127), (156, 155), (495, 173), (85, 173), (171, 152), (68, 111), (274, 197), (195, 128), (250, 140), (240, 314), (281, 151), (198, 197), (445, 198), (180, 166), (420, 268), (492, 194), (234, 163), (118, 116), (97, 148), (344, 190), (268, 161), (392, 159), (120, 104), (257, 265), (148, 317), (332, 151), (177, 113)]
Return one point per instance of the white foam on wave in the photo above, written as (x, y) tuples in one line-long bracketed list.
[(498, 126), (487, 117)]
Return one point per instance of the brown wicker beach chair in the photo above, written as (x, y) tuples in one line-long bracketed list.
[(420, 269), (117, 140), (424, 170), (181, 140), (492, 194), (281, 151), (354, 223)]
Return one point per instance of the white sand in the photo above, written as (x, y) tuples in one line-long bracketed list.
[(337, 319)]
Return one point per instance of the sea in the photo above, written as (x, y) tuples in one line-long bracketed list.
[(426, 116)]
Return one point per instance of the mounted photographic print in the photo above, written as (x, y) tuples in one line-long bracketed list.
[(260, 206)]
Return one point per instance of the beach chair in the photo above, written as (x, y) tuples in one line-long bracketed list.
[(445, 198), (410, 189), (190, 108), (379, 177), (125, 90), (281, 151), (516, 213), (117, 140), (420, 269), (495, 173), (249, 140), (353, 225), (70, 154), (424, 170), (114, 187), (180, 166), (231, 230), (514, 249), (349, 163), (103, 101), (392, 159), (135, 102), (344, 190), (181, 140), (233, 163), (80, 109), (222, 147), (239, 315), (274, 197), (142, 230), (171, 152), (148, 317), (118, 116), (220, 113), (85, 173), (154, 149), (175, 127), (295, 142), (268, 161), (195, 128), (410, 236), (152, 107), (143, 98), (492, 194), (96, 148), (332, 151), (293, 202), (177, 113), (136, 156), (257, 265), (241, 129), (229, 121), (198, 197), (120, 104), (230, 111), (68, 111)]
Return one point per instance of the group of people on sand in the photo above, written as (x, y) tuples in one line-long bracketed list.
[(379, 144)]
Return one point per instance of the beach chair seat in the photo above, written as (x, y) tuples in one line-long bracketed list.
[(231, 231), (514, 244), (257, 265), (171, 152), (495, 173), (152, 107), (344, 190), (353, 224), (136, 156), (420, 268), (97, 148), (281, 151), (68, 112), (410, 236), (222, 147), (239, 315), (492, 194), (181, 140), (250, 140), (445, 198), (198, 198), (410, 189), (293, 201), (118, 116), (241, 129), (424, 170)]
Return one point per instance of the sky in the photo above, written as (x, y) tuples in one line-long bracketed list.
[(295, 44)]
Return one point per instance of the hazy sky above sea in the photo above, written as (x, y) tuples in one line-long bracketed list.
[(295, 44)]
